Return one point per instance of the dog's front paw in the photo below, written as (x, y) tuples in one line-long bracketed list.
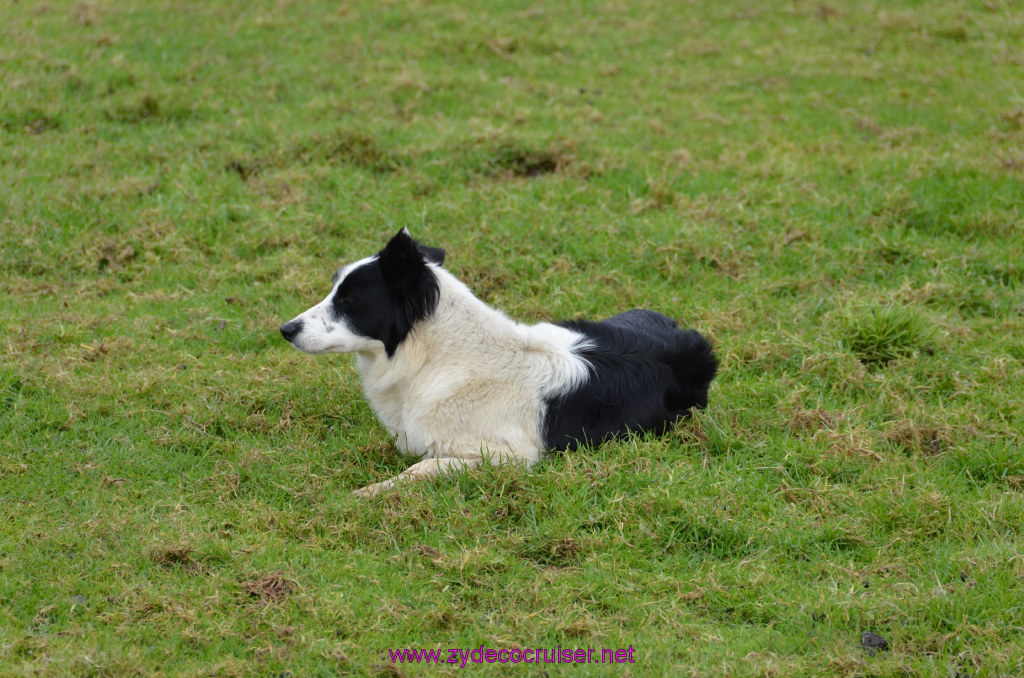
[(373, 490)]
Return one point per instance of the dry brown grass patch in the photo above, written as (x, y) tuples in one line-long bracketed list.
[(805, 421), (270, 588), (919, 439), (178, 555)]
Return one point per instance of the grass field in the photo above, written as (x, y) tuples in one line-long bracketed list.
[(832, 191)]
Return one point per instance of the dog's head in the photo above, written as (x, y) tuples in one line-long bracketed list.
[(374, 303)]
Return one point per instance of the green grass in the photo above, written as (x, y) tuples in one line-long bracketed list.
[(880, 333), (831, 191)]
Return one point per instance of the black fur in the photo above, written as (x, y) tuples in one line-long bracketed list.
[(384, 298), (645, 374)]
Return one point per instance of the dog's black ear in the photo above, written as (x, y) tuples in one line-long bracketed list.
[(401, 263), (400, 245), (412, 286)]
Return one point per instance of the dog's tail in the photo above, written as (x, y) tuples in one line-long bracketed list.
[(694, 365)]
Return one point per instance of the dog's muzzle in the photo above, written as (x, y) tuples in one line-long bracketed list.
[(291, 329)]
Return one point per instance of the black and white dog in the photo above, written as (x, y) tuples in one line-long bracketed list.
[(456, 381)]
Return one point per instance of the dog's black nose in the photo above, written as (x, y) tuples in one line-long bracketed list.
[(290, 329)]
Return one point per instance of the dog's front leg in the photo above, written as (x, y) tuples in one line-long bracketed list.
[(421, 470)]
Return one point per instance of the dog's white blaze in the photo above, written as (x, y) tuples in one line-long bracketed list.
[(345, 270)]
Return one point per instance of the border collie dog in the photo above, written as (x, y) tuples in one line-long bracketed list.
[(456, 381)]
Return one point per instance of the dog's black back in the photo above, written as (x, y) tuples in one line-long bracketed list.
[(645, 373)]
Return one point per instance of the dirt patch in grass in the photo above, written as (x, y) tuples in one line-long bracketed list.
[(339, 147), (430, 553), (353, 148), (806, 421), (270, 588), (149, 109), (521, 162), (383, 670), (176, 556), (86, 13), (919, 439), (29, 121), (244, 168), (516, 159), (552, 551), (112, 255)]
